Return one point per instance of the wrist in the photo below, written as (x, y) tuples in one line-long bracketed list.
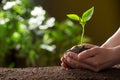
[(104, 46)]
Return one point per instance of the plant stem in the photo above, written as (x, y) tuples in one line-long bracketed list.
[(83, 31)]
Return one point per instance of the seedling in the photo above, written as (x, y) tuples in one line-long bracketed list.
[(86, 16)]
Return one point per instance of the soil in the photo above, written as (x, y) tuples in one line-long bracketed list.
[(78, 48), (57, 73)]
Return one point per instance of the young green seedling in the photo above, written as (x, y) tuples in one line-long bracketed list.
[(86, 16)]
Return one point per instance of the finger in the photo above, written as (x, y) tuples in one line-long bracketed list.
[(98, 64), (61, 59), (92, 61), (104, 66), (75, 64), (64, 63), (87, 53), (73, 55), (72, 61)]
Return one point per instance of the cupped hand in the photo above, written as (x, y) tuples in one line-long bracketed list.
[(95, 59), (71, 56), (99, 58), (71, 60)]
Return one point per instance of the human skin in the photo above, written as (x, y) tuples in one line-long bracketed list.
[(95, 58), (113, 41)]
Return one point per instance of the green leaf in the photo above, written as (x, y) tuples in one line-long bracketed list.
[(73, 17), (88, 14)]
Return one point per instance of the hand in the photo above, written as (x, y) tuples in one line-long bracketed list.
[(99, 58), (95, 59), (71, 60), (73, 55)]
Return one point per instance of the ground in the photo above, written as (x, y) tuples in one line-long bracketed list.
[(57, 73)]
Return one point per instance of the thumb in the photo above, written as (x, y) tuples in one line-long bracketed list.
[(87, 54)]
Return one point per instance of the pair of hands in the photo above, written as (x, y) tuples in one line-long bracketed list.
[(95, 59)]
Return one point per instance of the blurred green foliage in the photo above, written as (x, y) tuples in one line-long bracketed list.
[(29, 37)]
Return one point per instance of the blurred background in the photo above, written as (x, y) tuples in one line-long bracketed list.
[(37, 32)]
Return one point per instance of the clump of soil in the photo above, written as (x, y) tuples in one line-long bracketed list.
[(77, 49), (57, 73)]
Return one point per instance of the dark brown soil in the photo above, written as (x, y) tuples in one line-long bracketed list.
[(57, 73), (77, 49)]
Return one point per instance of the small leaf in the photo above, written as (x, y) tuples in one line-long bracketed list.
[(88, 14), (73, 17)]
